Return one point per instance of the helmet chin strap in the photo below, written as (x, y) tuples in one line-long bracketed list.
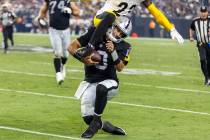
[(111, 37)]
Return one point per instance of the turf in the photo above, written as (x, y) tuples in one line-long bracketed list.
[(27, 86)]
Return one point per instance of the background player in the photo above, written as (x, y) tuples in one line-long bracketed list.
[(7, 20), (59, 32), (101, 82), (113, 9)]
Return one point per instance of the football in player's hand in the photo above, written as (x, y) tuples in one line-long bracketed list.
[(95, 56), (43, 23)]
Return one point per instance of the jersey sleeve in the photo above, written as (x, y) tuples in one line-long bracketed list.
[(123, 51), (47, 2), (192, 26), (85, 38), (13, 15)]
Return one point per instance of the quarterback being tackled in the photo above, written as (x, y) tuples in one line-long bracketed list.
[(113, 9)]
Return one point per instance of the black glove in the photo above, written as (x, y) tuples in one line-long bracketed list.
[(87, 50), (79, 54)]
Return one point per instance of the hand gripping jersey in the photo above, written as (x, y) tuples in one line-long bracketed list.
[(120, 7)]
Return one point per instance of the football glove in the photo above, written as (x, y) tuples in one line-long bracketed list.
[(67, 10), (79, 53), (175, 35), (87, 50), (43, 23)]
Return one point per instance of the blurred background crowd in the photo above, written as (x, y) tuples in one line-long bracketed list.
[(27, 10)]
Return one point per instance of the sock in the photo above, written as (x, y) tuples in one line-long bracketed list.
[(204, 68), (5, 45), (57, 64), (64, 60), (101, 99), (88, 119), (208, 66), (96, 117), (102, 28)]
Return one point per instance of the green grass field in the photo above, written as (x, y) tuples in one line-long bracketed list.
[(151, 104)]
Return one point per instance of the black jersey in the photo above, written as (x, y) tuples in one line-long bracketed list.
[(58, 19), (105, 69), (7, 18)]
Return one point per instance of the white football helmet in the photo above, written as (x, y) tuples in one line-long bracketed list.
[(124, 24)]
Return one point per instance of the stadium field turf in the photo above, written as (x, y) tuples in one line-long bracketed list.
[(161, 97)]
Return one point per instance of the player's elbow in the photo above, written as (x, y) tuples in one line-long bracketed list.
[(75, 9), (73, 47), (76, 12)]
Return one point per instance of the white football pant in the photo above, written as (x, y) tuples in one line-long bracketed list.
[(86, 92)]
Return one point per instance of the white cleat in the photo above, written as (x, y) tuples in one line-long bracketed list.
[(64, 71), (59, 78)]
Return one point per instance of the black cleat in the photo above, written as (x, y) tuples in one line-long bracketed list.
[(92, 129), (110, 128), (207, 82)]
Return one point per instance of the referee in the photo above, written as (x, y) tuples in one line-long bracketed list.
[(201, 27), (7, 19)]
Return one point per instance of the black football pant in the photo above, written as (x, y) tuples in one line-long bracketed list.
[(8, 34), (204, 53)]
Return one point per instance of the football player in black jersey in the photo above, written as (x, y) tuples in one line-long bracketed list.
[(101, 82), (59, 32), (7, 20)]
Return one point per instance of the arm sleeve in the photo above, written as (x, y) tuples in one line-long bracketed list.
[(192, 26), (160, 17), (124, 53), (13, 15)]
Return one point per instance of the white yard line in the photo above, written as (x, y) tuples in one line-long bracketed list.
[(118, 103), (124, 83), (167, 88), (37, 133), (34, 74)]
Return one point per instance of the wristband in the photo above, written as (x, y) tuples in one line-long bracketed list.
[(115, 57), (77, 56)]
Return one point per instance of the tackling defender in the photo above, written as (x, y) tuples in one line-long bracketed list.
[(101, 82), (59, 32), (113, 9)]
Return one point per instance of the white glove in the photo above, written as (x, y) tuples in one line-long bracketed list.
[(67, 10), (175, 35)]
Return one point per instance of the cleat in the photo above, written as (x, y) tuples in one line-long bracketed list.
[(92, 129), (110, 128), (59, 78), (208, 83), (6, 52)]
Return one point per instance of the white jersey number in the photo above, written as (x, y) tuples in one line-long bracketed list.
[(105, 59), (53, 5)]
